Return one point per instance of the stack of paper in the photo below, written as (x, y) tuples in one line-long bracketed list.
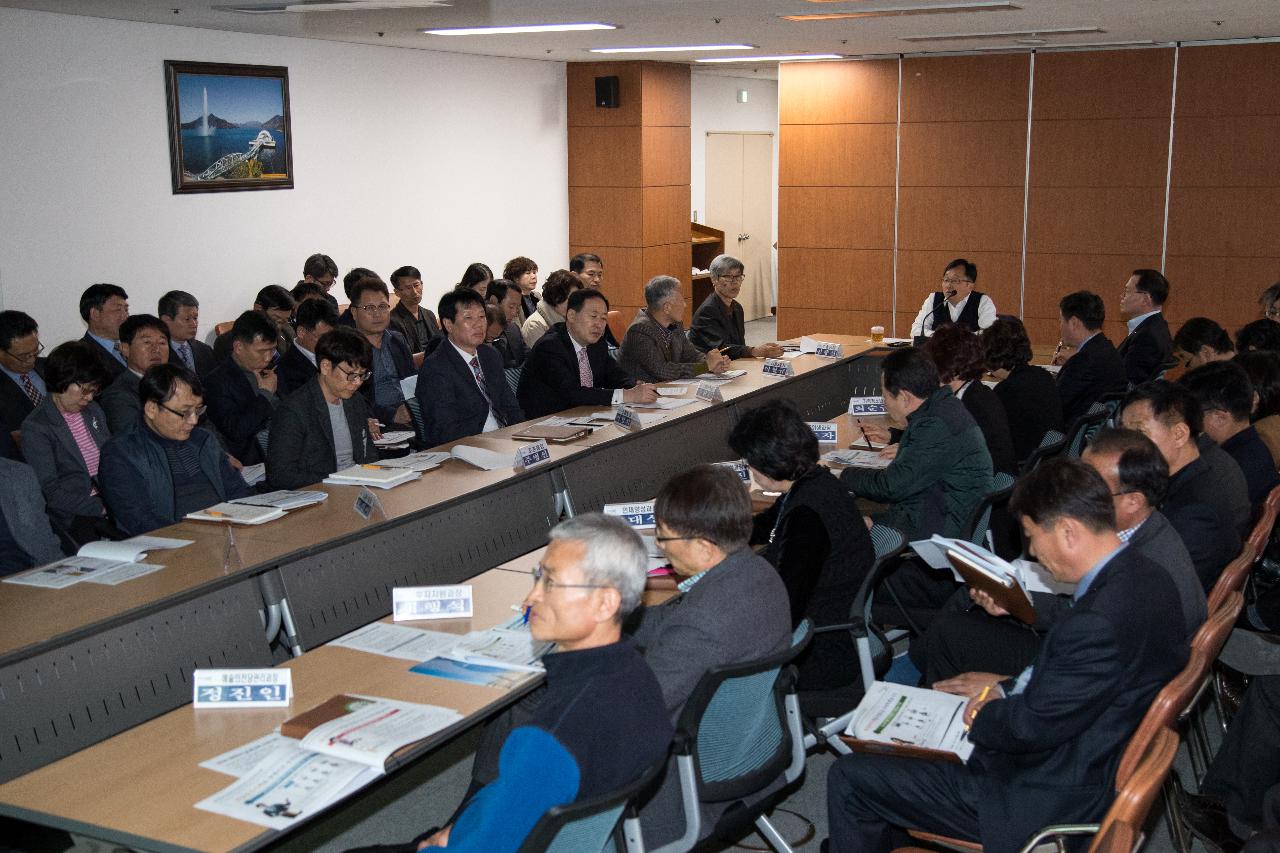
[(283, 499), (858, 458), (423, 460), (254, 474), (723, 377), (371, 475), (912, 717), (237, 513), (664, 403), (390, 439)]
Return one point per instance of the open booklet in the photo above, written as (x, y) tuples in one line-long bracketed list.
[(283, 499), (982, 570), (103, 562), (858, 458), (910, 721), (325, 753), (376, 476)]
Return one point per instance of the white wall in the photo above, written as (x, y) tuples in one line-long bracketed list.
[(400, 157)]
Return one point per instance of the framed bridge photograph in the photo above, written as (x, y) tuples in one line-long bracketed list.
[(228, 127)]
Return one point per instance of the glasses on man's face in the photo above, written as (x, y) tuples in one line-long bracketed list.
[(357, 376), (1272, 313), (732, 279), (32, 356), (954, 281), (549, 584), (661, 539), (190, 414), (379, 308)]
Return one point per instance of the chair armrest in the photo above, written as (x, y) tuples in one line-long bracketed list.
[(1059, 830)]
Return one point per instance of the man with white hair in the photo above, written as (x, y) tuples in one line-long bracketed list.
[(599, 694), (719, 322), (655, 348)]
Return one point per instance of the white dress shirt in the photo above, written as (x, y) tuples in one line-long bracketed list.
[(490, 423), (617, 392), (923, 324)]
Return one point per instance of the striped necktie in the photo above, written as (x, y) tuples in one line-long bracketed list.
[(29, 388)]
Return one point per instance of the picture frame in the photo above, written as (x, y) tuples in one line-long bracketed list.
[(229, 127)]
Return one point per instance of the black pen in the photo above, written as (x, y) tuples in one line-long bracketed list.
[(864, 435)]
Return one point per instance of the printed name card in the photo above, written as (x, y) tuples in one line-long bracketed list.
[(866, 406), (627, 419), (366, 503), (431, 602), (709, 392), (533, 454), (740, 468), (636, 515), (778, 367), (826, 349), (825, 432), (242, 688)]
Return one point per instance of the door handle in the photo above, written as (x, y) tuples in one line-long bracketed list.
[(744, 237)]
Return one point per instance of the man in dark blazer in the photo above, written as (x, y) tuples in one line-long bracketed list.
[(22, 385), (392, 359), (1148, 345), (410, 317), (180, 312), (324, 426), (462, 389), (241, 391), (26, 539), (103, 307), (144, 342), (297, 367), (571, 366), (719, 322), (1048, 741), (1095, 369)]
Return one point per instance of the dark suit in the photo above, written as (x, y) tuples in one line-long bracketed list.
[(238, 409), (402, 360), (113, 365), (715, 327), (121, 403), (987, 410), (1046, 755), (54, 455), (300, 450), (1196, 507), (1096, 369), (15, 405), (1031, 405), (293, 371), (404, 323), (452, 405), (201, 354), (549, 382), (1146, 348), (1255, 462)]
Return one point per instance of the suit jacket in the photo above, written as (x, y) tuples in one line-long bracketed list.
[(714, 328), (112, 364), (22, 506), (402, 358), (549, 382), (1146, 348), (1031, 406), (1093, 371), (201, 354), (404, 323), (121, 404), (15, 405), (647, 357), (1049, 754), (293, 371), (1229, 484), (237, 409), (451, 402), (1194, 506), (54, 456), (300, 450), (989, 413), (1253, 457)]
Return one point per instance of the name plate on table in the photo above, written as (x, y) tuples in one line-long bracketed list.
[(866, 406), (709, 392), (627, 419), (778, 367), (366, 502), (740, 468), (826, 349), (533, 454), (410, 603), (242, 688), (825, 432), (636, 515)]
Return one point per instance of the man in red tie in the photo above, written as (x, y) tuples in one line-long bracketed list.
[(20, 361)]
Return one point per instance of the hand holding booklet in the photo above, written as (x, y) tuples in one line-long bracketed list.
[(910, 721), (982, 570)]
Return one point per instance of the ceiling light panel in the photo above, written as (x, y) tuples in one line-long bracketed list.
[(519, 28), (1005, 34), (798, 57), (674, 48), (901, 11)]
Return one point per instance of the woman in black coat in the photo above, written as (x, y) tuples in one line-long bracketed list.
[(1028, 393), (961, 363)]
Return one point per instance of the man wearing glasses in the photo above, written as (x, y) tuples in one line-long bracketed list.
[(324, 426), (154, 475), (20, 360), (957, 302), (392, 358), (242, 389), (719, 323)]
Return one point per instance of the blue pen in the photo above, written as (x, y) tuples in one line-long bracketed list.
[(525, 620)]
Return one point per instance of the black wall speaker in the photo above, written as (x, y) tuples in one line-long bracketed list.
[(607, 92)]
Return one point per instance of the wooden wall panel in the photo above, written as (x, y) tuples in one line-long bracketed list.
[(857, 279), (664, 158), (1106, 152), (837, 155), (1228, 80), (835, 217), (580, 77), (1123, 84), (960, 220), (606, 216), (809, 321), (604, 156), (665, 95), (965, 88), (838, 92), (964, 154), (1241, 152), (1095, 220)]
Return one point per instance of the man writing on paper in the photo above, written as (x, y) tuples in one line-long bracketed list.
[(655, 348), (1048, 741), (600, 722)]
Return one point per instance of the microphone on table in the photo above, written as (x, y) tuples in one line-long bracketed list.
[(947, 292)]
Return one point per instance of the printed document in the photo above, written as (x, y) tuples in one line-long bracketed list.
[(912, 716)]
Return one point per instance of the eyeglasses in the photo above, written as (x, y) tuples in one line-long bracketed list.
[(380, 308), (1272, 313), (352, 375), (197, 413), (32, 356), (731, 279), (676, 538), (946, 280), (539, 573)]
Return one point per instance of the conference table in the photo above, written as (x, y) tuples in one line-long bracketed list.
[(83, 664)]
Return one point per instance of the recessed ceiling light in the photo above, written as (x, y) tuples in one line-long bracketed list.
[(361, 5), (897, 11), (797, 57), (673, 48), (1136, 43), (519, 28), (1005, 34)]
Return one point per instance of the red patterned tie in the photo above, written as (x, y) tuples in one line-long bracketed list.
[(30, 389), (484, 392), (584, 370)]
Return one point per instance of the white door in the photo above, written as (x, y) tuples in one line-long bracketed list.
[(740, 203)]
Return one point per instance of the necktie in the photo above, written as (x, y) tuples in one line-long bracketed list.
[(30, 389), (584, 370), (484, 392), (184, 352)]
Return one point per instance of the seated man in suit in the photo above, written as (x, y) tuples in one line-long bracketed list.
[(410, 317), (320, 269), (297, 367), (103, 307), (1148, 345), (1046, 742), (957, 302), (1095, 368), (719, 323), (571, 365), (241, 390), (461, 387), (324, 425), (588, 269), (987, 639), (154, 475), (1199, 502), (506, 297), (552, 306), (1225, 395), (274, 302), (655, 348), (22, 388), (26, 540), (392, 359), (144, 342), (180, 312), (599, 694)]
